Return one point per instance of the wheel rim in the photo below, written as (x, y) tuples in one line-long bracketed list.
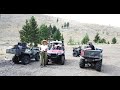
[(75, 54), (26, 60)]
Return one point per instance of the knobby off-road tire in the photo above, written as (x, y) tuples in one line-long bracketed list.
[(62, 61), (25, 59), (82, 63), (37, 57), (98, 66), (15, 59), (75, 54)]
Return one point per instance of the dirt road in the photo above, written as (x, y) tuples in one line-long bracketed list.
[(111, 65)]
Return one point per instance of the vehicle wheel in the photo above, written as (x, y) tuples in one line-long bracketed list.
[(82, 63), (37, 57), (75, 54), (15, 59), (25, 60), (62, 61), (98, 66)]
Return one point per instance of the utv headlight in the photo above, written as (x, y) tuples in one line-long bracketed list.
[(49, 54), (59, 53), (27, 51)]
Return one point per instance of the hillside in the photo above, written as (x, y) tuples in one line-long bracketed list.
[(10, 24)]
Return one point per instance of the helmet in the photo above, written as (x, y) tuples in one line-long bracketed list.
[(90, 43)]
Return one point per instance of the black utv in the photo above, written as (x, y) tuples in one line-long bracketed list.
[(92, 58), (76, 51)]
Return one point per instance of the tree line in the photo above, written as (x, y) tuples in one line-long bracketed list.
[(97, 39), (66, 25), (32, 33)]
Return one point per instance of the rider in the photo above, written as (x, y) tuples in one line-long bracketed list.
[(91, 46)]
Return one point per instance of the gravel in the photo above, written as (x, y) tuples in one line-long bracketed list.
[(111, 65)]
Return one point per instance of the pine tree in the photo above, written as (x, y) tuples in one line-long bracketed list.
[(85, 40), (67, 24), (54, 29), (34, 35), (57, 20), (102, 40), (30, 32), (57, 35), (71, 41), (25, 33), (50, 31), (114, 40), (97, 38), (61, 26), (44, 32)]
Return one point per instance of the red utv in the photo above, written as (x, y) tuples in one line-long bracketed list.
[(56, 53)]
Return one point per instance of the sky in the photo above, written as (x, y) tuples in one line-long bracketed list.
[(103, 19)]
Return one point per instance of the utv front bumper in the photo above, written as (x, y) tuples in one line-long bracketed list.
[(91, 59), (54, 57)]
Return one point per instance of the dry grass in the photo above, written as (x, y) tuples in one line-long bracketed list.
[(10, 24)]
